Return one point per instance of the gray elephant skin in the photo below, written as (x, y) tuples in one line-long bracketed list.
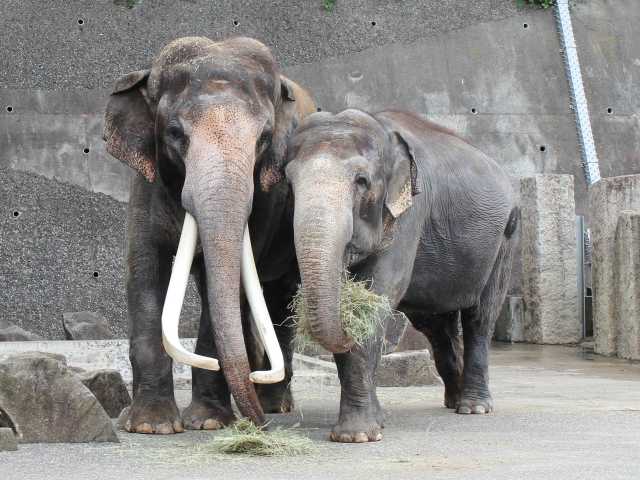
[(427, 218), (206, 128)]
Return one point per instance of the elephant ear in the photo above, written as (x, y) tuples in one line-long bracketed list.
[(128, 125), (402, 184), (295, 104)]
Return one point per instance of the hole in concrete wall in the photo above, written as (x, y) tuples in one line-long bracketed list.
[(373, 24), (80, 21), (319, 109), (16, 213), (543, 148), (236, 23), (609, 110), (474, 111), (525, 25), (9, 109), (96, 274), (85, 149)]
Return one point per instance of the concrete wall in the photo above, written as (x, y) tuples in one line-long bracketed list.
[(470, 65)]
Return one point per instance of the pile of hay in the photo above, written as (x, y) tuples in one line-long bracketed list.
[(362, 312), (244, 437)]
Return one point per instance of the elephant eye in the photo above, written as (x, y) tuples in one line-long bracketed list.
[(363, 181), (175, 132)]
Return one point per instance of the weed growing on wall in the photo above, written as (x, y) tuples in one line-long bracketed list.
[(537, 3), (329, 5)]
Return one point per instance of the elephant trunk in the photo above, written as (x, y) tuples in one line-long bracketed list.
[(220, 200), (323, 226)]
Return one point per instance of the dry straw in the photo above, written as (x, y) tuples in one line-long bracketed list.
[(362, 312), (243, 437)]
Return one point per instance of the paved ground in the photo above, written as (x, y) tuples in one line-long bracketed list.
[(561, 413)]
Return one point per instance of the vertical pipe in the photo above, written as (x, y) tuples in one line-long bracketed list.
[(588, 152)]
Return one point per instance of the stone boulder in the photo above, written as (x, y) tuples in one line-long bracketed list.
[(109, 388), (407, 369), (86, 326), (13, 333), (8, 440), (46, 402)]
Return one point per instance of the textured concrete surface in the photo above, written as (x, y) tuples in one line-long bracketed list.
[(113, 39), (626, 295), (549, 261), (560, 413), (511, 322), (63, 250), (607, 199)]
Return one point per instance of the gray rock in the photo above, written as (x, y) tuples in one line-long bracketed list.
[(8, 441), (627, 285), (13, 333), (46, 402), (86, 326), (109, 388), (510, 323), (407, 369), (396, 325), (607, 199), (549, 259), (412, 339)]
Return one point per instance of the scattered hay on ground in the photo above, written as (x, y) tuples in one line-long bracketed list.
[(243, 437)]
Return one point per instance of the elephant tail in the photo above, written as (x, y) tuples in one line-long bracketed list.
[(512, 223)]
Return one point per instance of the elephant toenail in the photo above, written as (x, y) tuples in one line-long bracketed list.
[(378, 437), (464, 410), (211, 424), (164, 429), (478, 409), (144, 428), (360, 438), (333, 437), (177, 427), (345, 438)]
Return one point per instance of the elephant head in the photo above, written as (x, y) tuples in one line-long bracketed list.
[(352, 177), (204, 121)]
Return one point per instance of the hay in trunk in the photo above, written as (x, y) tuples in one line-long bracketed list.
[(243, 437), (362, 312)]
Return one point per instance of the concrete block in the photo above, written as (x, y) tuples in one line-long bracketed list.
[(8, 440), (549, 263), (626, 294), (607, 199), (407, 369), (510, 323)]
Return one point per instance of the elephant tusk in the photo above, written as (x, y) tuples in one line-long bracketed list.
[(175, 298), (261, 317)]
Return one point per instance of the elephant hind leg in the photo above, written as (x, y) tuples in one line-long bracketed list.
[(477, 325), (443, 334)]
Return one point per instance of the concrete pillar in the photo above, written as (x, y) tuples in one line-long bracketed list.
[(549, 262), (626, 296), (607, 199), (510, 323)]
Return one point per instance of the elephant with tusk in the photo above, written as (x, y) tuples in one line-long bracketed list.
[(429, 220), (206, 128)]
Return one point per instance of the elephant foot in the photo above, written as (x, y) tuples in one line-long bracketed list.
[(451, 399), (151, 415), (475, 404), (356, 432), (200, 416), (276, 400)]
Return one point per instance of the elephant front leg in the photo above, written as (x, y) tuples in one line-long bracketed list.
[(153, 409), (277, 397), (361, 417)]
